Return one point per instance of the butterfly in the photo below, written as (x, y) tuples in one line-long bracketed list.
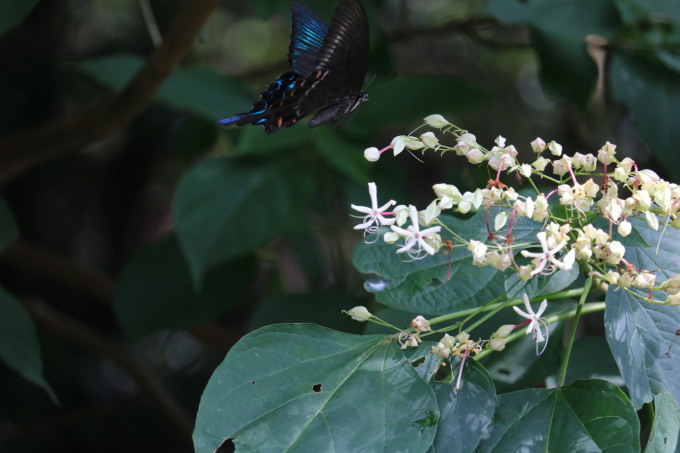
[(328, 66)]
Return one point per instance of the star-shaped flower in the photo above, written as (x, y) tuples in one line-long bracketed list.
[(374, 218), (545, 261), (536, 322), (416, 243)]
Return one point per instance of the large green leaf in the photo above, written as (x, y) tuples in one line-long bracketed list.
[(13, 12), (587, 416), (19, 346), (198, 90), (666, 426), (652, 92), (639, 332), (301, 387), (225, 208), (421, 286), (154, 292)]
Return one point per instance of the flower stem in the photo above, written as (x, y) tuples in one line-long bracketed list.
[(572, 335)]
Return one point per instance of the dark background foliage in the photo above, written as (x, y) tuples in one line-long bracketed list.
[(150, 241)]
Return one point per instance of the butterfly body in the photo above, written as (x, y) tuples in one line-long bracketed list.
[(328, 66)]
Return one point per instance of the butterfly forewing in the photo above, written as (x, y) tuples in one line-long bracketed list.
[(306, 39), (345, 50)]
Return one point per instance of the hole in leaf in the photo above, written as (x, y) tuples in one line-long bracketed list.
[(504, 371), (443, 373), (316, 388), (417, 362), (227, 446)]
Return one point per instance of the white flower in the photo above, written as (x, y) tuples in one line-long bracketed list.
[(478, 250), (415, 237), (374, 218), (536, 322), (545, 261)]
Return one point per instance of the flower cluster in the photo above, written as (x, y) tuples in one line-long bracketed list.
[(622, 192)]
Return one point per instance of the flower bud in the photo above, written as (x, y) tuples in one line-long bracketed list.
[(540, 163), (497, 344), (538, 145), (441, 351), (448, 341), (503, 331), (624, 228), (475, 156), (429, 139), (360, 313), (436, 121), (420, 323), (372, 154), (555, 148)]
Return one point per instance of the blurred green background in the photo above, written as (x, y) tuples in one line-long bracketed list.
[(143, 256)]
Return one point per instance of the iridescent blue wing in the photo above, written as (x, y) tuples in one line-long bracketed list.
[(306, 39), (279, 105)]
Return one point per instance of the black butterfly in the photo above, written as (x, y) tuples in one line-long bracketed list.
[(328, 66)]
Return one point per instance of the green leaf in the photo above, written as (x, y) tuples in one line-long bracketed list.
[(638, 332), (13, 12), (666, 426), (652, 93), (465, 413), (301, 387), (198, 90), (225, 208), (9, 231), (154, 291), (587, 416), (421, 286), (19, 346)]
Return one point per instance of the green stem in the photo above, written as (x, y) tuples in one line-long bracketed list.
[(572, 336)]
